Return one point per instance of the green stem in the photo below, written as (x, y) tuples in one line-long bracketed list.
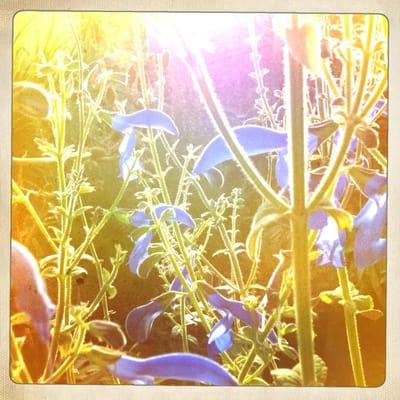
[(351, 328), (69, 361), (185, 342), (34, 215), (299, 218), (18, 358), (253, 352), (255, 57)]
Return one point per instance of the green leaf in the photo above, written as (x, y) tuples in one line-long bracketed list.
[(372, 314), (265, 215), (111, 290), (148, 264), (290, 352), (257, 381), (363, 302), (100, 355), (49, 272), (286, 377), (79, 271)]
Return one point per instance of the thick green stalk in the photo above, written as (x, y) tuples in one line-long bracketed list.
[(299, 217), (351, 328)]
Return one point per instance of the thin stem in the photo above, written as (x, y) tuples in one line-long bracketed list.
[(351, 328), (18, 358), (69, 361), (185, 342), (34, 215)]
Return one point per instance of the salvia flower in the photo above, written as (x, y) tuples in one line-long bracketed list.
[(126, 124), (256, 140), (331, 239), (220, 338), (139, 321), (142, 219), (369, 246), (179, 366), (29, 290)]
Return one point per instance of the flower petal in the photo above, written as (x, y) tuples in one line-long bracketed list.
[(330, 242), (236, 308), (369, 247), (282, 169), (29, 290), (147, 118), (368, 181), (253, 139), (180, 366), (317, 219), (140, 218), (139, 321), (176, 285), (220, 338), (140, 252)]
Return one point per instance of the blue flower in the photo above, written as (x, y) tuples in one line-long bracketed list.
[(220, 338), (331, 239), (141, 219), (140, 252), (331, 243), (139, 321), (180, 366), (127, 161), (147, 118), (176, 285), (28, 290), (126, 124), (369, 247), (254, 140)]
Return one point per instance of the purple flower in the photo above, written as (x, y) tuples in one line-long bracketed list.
[(220, 338), (126, 124), (256, 140), (29, 290), (180, 366), (147, 118), (330, 242), (176, 285), (127, 161), (253, 139), (370, 223), (139, 321), (140, 219), (369, 246), (140, 253)]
